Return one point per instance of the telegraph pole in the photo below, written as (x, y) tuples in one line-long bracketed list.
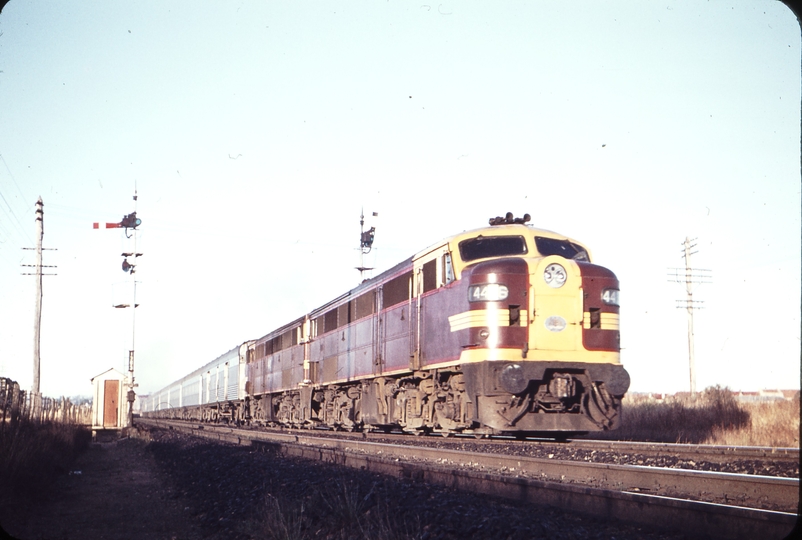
[(36, 396), (37, 323), (690, 277)]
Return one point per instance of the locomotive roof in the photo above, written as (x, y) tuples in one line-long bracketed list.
[(500, 230), (452, 241)]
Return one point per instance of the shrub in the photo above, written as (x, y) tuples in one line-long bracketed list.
[(713, 417)]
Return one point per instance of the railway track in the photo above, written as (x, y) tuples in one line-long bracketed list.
[(707, 452), (720, 505), (686, 454)]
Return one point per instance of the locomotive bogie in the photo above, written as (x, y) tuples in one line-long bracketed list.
[(506, 329)]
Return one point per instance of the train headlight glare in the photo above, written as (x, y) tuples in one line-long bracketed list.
[(610, 297), (488, 292), (555, 275)]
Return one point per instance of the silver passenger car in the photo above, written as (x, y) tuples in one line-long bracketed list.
[(213, 392)]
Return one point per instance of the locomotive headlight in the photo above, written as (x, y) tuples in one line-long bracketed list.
[(513, 379), (555, 275), (488, 292), (610, 297)]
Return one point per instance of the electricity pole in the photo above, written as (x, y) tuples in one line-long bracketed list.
[(37, 323), (690, 276), (36, 396)]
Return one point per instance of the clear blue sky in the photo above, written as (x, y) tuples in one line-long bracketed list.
[(255, 132)]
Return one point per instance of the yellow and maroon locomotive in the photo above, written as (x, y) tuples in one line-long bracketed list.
[(502, 329)]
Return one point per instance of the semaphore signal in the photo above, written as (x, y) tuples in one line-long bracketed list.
[(128, 221)]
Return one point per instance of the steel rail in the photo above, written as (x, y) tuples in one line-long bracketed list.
[(708, 452), (698, 452), (695, 502), (686, 451), (701, 452)]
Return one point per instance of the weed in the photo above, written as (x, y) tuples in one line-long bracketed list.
[(283, 520), (343, 509)]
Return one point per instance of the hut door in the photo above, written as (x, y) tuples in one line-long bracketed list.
[(111, 394)]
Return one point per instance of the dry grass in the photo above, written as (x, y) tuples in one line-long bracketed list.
[(340, 511), (771, 424), (31, 455), (714, 417)]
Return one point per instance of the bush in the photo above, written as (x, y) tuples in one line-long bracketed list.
[(713, 417), (680, 420)]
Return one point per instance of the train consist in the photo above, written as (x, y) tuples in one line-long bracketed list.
[(506, 329)]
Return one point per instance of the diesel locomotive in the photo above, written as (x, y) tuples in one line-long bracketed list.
[(505, 329)]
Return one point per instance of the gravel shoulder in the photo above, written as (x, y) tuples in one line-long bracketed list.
[(114, 491), (173, 486), (239, 492)]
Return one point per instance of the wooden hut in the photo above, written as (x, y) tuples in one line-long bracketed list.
[(109, 406)]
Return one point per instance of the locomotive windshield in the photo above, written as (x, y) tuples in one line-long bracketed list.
[(563, 248), (491, 246)]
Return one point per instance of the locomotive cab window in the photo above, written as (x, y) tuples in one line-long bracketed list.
[(491, 246), (448, 269), (430, 275), (563, 248)]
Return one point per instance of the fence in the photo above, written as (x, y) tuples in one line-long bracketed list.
[(17, 404)]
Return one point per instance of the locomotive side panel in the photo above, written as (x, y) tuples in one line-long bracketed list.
[(256, 381), (297, 365), (272, 374), (397, 338), (345, 340), (364, 332), (439, 345), (283, 366)]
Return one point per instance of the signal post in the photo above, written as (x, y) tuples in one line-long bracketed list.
[(129, 221)]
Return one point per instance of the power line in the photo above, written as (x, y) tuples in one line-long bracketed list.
[(20, 228), (24, 197)]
